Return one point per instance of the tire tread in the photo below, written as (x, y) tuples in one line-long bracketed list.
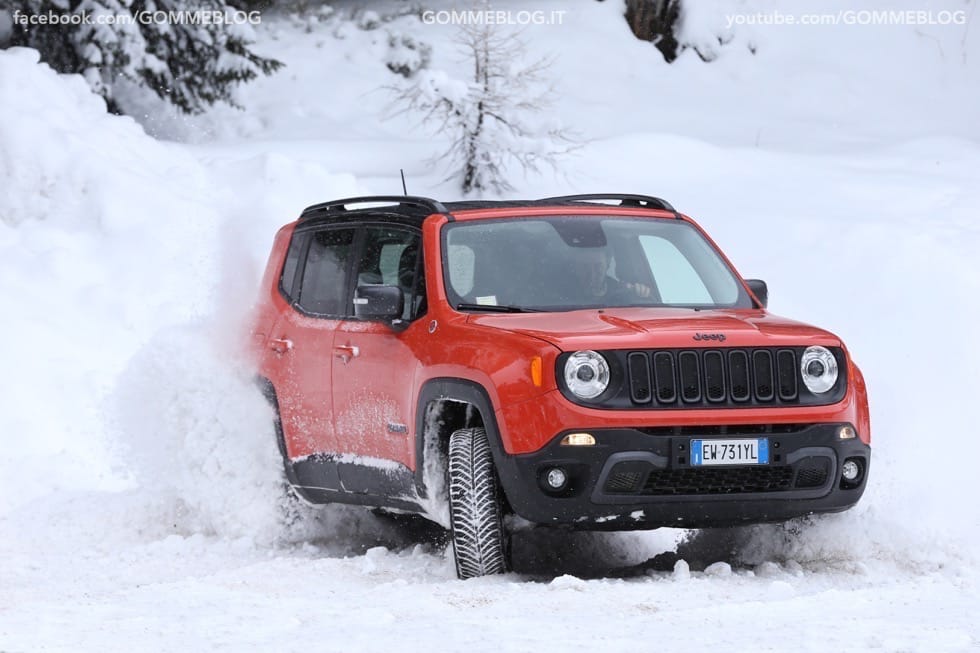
[(479, 540)]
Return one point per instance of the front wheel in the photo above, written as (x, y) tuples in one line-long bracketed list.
[(479, 538)]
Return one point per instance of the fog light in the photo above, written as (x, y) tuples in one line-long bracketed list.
[(578, 440), (850, 471), (556, 478), (846, 432)]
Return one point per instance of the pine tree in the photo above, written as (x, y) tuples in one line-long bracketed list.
[(191, 65), (495, 116)]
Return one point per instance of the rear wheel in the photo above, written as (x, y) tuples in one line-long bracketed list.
[(479, 538)]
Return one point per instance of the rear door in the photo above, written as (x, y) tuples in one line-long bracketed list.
[(303, 338), (374, 372)]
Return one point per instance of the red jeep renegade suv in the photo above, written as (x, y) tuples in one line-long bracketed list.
[(592, 361)]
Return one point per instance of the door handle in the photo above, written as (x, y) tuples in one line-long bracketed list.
[(346, 352), (280, 345)]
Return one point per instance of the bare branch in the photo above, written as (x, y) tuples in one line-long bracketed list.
[(495, 118)]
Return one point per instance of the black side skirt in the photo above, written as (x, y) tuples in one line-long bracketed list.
[(328, 479)]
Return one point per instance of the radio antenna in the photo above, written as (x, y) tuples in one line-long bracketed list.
[(404, 187)]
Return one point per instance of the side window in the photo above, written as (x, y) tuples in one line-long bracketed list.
[(324, 286), (391, 257), (288, 278)]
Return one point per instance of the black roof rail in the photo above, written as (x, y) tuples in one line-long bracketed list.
[(338, 206), (643, 201)]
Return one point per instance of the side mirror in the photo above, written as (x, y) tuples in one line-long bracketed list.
[(383, 303), (760, 290)]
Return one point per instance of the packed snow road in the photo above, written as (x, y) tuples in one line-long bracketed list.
[(361, 586)]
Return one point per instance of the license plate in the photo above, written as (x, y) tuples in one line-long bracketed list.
[(730, 452)]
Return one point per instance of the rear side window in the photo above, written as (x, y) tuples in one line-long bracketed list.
[(323, 289), (288, 278)]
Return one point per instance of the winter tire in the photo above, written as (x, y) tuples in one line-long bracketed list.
[(479, 539)]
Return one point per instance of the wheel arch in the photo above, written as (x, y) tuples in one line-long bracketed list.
[(444, 405), (268, 391)]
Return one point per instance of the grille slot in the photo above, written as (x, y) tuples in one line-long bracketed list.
[(738, 370), (714, 376), (786, 366), (663, 370), (762, 374), (640, 387), (690, 376)]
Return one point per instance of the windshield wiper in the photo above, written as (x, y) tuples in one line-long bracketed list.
[(495, 308)]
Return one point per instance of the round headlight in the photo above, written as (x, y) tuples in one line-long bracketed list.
[(819, 369), (586, 374)]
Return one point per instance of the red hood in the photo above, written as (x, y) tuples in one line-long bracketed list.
[(654, 328)]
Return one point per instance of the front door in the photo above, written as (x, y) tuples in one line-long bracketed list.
[(375, 365)]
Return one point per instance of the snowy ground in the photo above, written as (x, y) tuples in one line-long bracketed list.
[(139, 496)]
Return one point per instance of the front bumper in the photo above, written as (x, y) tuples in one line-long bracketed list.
[(642, 478)]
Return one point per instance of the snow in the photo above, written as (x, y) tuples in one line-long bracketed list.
[(140, 502)]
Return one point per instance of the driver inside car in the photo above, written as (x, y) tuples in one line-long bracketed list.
[(591, 271)]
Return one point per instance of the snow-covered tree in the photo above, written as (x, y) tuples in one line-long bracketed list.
[(497, 116), (192, 62), (406, 55)]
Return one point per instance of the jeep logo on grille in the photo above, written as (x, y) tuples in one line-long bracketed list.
[(720, 337)]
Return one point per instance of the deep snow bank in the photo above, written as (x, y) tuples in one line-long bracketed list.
[(94, 218), (128, 269)]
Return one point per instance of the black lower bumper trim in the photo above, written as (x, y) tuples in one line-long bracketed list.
[(638, 479)]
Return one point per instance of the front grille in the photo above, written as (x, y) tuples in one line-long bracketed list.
[(693, 378), (699, 378)]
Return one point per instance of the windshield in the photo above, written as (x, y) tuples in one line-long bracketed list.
[(571, 262)]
